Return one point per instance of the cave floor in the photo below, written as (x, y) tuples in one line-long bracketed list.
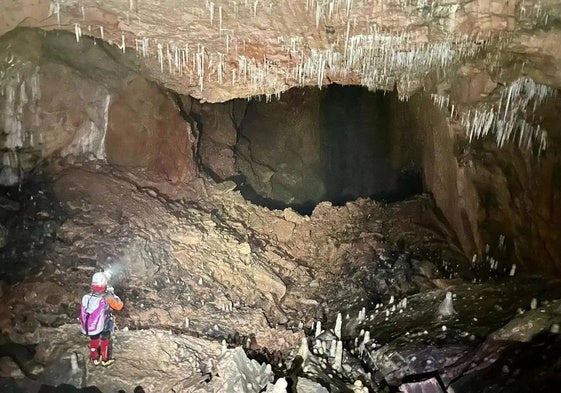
[(198, 264)]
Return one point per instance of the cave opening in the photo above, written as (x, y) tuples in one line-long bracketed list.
[(336, 144)]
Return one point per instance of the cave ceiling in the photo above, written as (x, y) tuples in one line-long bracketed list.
[(223, 49)]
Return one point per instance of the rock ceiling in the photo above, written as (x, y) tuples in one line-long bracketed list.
[(218, 50)]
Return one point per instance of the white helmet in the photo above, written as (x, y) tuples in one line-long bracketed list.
[(99, 279)]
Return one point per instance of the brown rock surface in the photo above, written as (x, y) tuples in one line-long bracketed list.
[(145, 130), (267, 47)]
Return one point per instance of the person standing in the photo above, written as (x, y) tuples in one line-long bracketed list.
[(97, 320)]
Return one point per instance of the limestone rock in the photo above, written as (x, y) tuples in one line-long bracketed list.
[(9, 368), (525, 327), (304, 385), (237, 373), (145, 130)]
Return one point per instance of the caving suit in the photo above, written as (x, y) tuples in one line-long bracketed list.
[(98, 323)]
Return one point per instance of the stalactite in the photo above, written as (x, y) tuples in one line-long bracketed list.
[(505, 118), (380, 59)]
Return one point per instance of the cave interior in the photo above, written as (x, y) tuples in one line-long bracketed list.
[(371, 207)]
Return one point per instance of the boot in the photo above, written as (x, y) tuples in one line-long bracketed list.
[(94, 351), (106, 353)]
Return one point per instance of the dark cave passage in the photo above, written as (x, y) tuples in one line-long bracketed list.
[(358, 147), (336, 144)]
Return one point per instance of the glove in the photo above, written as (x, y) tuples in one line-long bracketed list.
[(110, 290)]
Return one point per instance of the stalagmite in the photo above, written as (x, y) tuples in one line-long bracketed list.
[(338, 361), (318, 329), (446, 308), (338, 325), (366, 339), (534, 304), (304, 350), (279, 387), (362, 314)]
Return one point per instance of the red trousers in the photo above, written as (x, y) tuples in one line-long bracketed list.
[(100, 346)]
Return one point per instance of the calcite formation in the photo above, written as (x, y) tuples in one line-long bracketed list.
[(216, 50)]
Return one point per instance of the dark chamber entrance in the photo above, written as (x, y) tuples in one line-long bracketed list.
[(335, 144), (358, 151)]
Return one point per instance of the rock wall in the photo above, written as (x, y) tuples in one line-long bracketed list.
[(47, 109), (218, 124), (335, 144), (486, 193), (279, 149), (145, 130), (444, 176), (66, 99)]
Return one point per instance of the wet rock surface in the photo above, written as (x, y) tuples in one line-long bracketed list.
[(204, 273)]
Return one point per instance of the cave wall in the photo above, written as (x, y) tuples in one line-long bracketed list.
[(47, 109), (444, 176), (485, 192), (278, 149), (65, 100), (145, 130), (218, 126)]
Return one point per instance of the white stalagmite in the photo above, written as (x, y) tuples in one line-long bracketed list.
[(304, 350), (279, 387), (534, 304), (512, 270), (366, 339), (338, 361), (338, 326), (361, 314), (446, 308), (318, 329)]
